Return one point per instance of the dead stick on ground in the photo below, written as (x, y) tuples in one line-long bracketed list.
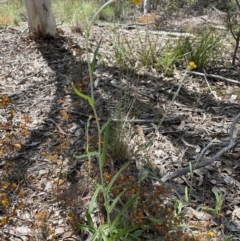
[(205, 77), (185, 170), (213, 76), (59, 128), (174, 120)]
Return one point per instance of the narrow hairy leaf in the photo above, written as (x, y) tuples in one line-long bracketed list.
[(86, 97), (93, 199), (191, 169), (125, 232), (104, 231), (129, 203), (111, 207), (96, 236), (105, 144), (148, 144), (107, 123), (109, 186), (136, 234), (86, 228), (155, 220), (89, 220), (100, 233), (94, 61)]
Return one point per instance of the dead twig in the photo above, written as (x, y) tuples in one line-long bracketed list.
[(185, 170), (213, 76), (174, 120), (214, 94), (59, 128)]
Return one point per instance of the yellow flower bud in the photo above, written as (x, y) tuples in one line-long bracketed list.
[(137, 2)]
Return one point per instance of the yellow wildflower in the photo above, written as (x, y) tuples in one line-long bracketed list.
[(212, 234), (191, 65), (137, 2)]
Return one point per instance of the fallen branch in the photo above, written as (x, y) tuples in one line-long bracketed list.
[(185, 170), (174, 120), (213, 76), (58, 126)]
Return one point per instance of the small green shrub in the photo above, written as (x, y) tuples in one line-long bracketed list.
[(162, 55), (123, 52), (202, 50)]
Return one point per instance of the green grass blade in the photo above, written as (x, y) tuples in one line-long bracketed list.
[(94, 61), (105, 144), (106, 124), (111, 207), (86, 228), (124, 232), (89, 220), (125, 207), (96, 236), (109, 186), (101, 233), (104, 236), (93, 199), (155, 220), (136, 234), (86, 97)]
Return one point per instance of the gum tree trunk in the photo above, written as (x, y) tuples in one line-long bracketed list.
[(146, 6), (40, 18)]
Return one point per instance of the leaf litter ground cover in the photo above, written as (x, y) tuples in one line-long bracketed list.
[(45, 191)]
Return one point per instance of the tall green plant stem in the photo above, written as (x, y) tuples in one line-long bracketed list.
[(97, 13), (91, 71)]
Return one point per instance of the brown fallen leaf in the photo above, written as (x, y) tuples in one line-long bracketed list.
[(139, 131)]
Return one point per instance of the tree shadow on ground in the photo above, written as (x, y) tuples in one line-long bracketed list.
[(62, 130), (64, 60)]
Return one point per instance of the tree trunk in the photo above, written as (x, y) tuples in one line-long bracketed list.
[(40, 18), (146, 6)]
